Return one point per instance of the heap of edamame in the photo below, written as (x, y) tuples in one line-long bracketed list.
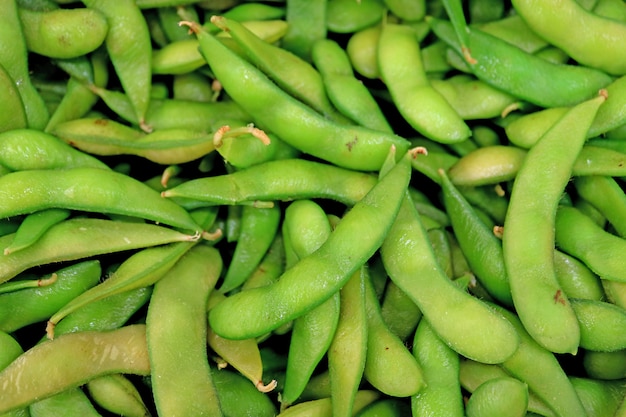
[(295, 208)]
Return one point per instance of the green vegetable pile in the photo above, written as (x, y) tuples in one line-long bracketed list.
[(313, 208)]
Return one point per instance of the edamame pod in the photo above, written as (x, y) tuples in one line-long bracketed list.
[(308, 228), (27, 149), (441, 365), (131, 274), (82, 238), (73, 401), (129, 47), (12, 113), (594, 246), (258, 228), (63, 33), (600, 324), (28, 306), (348, 349), (422, 106), (238, 397), (117, 394), (407, 250), (528, 238), (183, 387), (34, 226), (359, 148), (279, 303), (498, 396), (523, 75), (277, 180), (84, 355), (597, 42), (88, 189)]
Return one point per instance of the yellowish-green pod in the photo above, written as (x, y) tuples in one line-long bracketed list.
[(422, 106), (117, 394), (63, 33), (347, 351), (82, 238), (323, 407), (179, 366), (77, 358), (597, 43), (498, 397), (243, 355), (600, 325), (362, 50), (12, 114)]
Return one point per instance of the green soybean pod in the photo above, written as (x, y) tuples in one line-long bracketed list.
[(117, 394), (606, 195), (183, 387), (77, 357), (128, 44), (307, 130), (389, 365), (346, 16), (169, 18), (600, 398), (33, 226), (89, 189), (347, 351), (63, 33), (322, 407), (423, 107), (514, 30), (487, 165), (386, 407), (28, 306), (497, 397), (290, 72), (12, 113), (477, 242), (407, 250), (308, 228), (598, 42), (362, 50), (27, 149), (605, 365), (600, 324), (14, 59), (472, 374), (131, 274), (109, 313), (399, 311), (576, 279), (329, 261), (237, 397), (258, 229), (73, 401), (81, 238), (243, 355), (407, 10), (591, 244), (509, 68), (441, 365), (348, 94), (307, 23), (10, 349), (541, 371), (529, 256), (474, 99)]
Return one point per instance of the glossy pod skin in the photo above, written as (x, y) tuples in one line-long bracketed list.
[(277, 180), (598, 41), (183, 388), (85, 355), (529, 256), (280, 303), (33, 305), (346, 146), (63, 33), (88, 189), (82, 238)]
